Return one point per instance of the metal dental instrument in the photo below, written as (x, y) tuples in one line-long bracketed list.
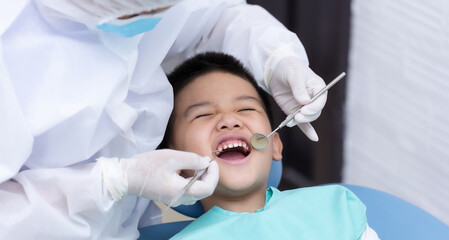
[(260, 141), (195, 177)]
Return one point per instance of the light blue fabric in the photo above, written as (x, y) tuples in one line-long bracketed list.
[(325, 212), (133, 28)]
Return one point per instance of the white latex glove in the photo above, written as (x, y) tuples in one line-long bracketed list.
[(155, 175), (292, 84)]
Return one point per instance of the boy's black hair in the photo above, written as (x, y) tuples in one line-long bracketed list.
[(204, 63)]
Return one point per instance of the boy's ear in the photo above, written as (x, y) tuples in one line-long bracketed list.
[(277, 147)]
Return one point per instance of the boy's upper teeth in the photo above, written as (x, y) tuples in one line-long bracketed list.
[(232, 144)]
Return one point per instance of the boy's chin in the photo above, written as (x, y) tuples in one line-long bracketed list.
[(238, 189)]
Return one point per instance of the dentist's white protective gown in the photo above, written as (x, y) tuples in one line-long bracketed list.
[(71, 93)]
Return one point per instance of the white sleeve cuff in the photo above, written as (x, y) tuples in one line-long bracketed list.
[(113, 178), (369, 234)]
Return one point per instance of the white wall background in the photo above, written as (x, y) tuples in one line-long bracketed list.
[(397, 108)]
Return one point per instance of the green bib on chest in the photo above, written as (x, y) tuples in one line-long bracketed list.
[(325, 212)]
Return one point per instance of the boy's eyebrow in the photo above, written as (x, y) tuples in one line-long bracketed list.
[(247, 97), (196, 105)]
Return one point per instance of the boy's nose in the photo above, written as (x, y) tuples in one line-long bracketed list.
[(229, 121)]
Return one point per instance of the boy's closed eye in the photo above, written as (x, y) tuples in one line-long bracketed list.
[(247, 109), (203, 115)]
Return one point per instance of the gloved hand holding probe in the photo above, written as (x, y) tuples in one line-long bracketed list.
[(155, 175), (292, 84)]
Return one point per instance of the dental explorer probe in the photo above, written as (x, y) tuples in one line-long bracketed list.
[(195, 177), (260, 141)]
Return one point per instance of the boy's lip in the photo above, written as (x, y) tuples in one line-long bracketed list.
[(230, 137)]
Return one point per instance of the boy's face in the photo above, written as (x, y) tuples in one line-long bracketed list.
[(218, 110)]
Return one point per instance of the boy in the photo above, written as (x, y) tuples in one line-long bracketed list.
[(218, 106)]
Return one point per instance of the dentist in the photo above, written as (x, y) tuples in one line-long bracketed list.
[(85, 100)]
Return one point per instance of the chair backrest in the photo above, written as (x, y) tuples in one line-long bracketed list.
[(395, 218), (162, 231)]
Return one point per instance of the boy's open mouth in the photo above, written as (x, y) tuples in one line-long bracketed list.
[(233, 150)]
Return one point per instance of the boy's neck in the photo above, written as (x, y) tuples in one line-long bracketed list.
[(245, 203)]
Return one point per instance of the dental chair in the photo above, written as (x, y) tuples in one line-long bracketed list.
[(394, 218), (390, 216)]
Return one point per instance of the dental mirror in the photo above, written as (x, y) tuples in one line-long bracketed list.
[(260, 141)]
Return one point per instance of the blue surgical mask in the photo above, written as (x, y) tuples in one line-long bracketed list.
[(131, 28)]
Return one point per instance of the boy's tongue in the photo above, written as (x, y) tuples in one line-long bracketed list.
[(233, 155)]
